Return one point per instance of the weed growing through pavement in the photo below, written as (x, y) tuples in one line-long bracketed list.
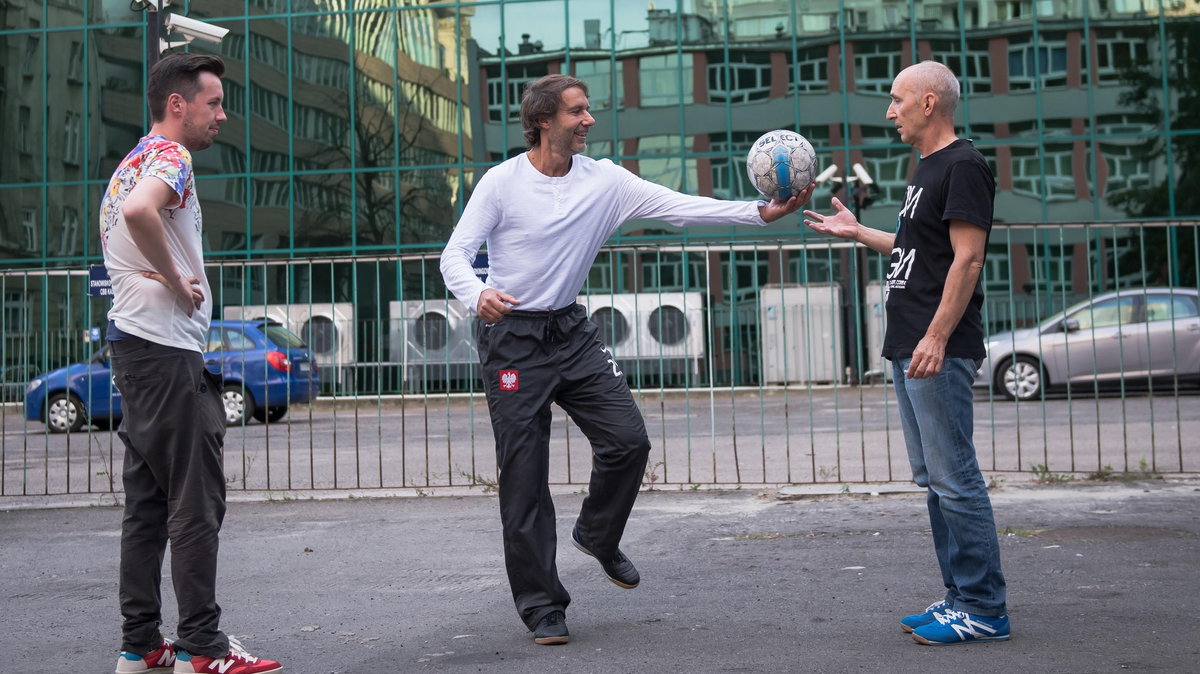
[(1043, 475), (490, 486), (1107, 474), (652, 475)]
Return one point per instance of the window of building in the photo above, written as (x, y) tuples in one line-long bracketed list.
[(666, 80), (997, 270), (30, 227), (1051, 266), (745, 274), (70, 232), (327, 72), (28, 64), (973, 67), (235, 98), (664, 160), (75, 63), (269, 105), (1027, 62), (24, 121), (1128, 166), (1118, 50), (600, 78), (1059, 174), (810, 71), (760, 27), (667, 272), (744, 77), (504, 93), (73, 138), (875, 65), (729, 176), (238, 241), (269, 52)]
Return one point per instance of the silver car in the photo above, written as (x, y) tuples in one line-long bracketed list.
[(1133, 335)]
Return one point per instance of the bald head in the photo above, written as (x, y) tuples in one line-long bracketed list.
[(934, 78)]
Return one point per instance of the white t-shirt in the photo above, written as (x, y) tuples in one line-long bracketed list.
[(141, 306), (543, 233)]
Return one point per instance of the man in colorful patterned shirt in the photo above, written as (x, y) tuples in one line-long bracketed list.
[(174, 422)]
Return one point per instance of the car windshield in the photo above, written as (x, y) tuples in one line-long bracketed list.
[(282, 337)]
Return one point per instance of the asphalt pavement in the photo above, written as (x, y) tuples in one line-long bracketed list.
[(1103, 577)]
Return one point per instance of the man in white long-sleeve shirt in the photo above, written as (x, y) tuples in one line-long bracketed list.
[(544, 215)]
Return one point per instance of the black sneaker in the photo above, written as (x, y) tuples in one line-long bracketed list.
[(551, 629), (619, 570)]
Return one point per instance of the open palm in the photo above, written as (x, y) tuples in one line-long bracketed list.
[(841, 224)]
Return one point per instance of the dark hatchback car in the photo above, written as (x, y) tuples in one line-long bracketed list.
[(264, 369)]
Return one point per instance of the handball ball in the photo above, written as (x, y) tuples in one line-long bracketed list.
[(780, 164)]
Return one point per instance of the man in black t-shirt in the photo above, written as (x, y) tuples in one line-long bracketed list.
[(934, 339)]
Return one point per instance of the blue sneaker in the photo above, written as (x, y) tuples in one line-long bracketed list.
[(912, 622), (956, 627)]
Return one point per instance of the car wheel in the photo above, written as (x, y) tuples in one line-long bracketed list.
[(271, 414), (1021, 378), (237, 404), (64, 413)]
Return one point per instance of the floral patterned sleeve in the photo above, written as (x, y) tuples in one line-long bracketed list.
[(171, 163)]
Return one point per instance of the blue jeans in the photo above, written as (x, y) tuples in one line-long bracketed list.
[(938, 419)]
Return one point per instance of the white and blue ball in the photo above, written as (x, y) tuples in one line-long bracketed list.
[(781, 163)]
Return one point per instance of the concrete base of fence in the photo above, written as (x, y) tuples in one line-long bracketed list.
[(802, 491)]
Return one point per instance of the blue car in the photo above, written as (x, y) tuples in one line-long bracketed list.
[(263, 366)]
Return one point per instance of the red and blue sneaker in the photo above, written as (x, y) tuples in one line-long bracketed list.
[(161, 659), (236, 661)]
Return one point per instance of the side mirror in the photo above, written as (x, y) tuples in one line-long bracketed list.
[(1070, 325)]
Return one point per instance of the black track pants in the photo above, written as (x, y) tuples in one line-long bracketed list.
[(531, 359), (174, 430)]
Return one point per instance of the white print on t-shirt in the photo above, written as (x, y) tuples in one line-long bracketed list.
[(902, 262), (900, 268), (910, 202)]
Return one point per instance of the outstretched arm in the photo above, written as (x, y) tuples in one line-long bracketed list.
[(844, 225)]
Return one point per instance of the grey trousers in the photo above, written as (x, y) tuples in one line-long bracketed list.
[(174, 431), (530, 360)]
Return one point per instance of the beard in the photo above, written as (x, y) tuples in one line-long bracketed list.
[(196, 137)]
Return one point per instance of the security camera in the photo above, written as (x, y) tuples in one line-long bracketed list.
[(191, 29), (861, 173), (827, 174)]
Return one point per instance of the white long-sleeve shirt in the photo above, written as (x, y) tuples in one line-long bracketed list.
[(543, 233)]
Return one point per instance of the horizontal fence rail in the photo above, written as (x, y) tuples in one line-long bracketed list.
[(753, 364)]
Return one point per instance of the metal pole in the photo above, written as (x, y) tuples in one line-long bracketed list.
[(153, 32)]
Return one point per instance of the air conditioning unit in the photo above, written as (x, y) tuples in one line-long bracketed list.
[(329, 332), (272, 313), (433, 339), (616, 317), (666, 327), (801, 333)]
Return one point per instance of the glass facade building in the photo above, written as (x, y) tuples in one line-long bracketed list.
[(359, 127)]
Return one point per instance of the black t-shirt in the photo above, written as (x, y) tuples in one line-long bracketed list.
[(954, 183)]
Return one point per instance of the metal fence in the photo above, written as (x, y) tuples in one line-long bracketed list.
[(753, 364)]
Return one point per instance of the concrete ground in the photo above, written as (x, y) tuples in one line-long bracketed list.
[(1102, 578)]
